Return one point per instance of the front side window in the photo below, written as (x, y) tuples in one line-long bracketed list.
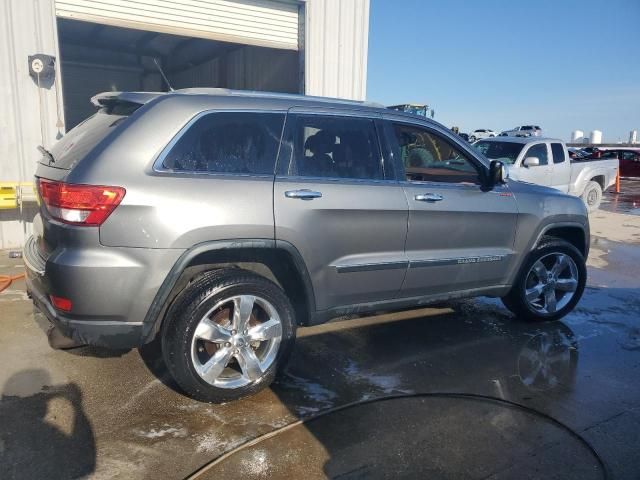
[(558, 153), (540, 151), (228, 142), (428, 157), (335, 147)]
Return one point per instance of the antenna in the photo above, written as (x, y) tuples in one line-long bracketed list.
[(166, 80)]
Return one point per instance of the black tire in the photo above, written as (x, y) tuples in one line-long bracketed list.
[(189, 308), (472, 138), (592, 196), (516, 300)]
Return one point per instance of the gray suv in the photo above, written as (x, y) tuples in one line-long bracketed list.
[(216, 222)]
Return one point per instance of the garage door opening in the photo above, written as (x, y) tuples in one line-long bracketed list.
[(97, 58)]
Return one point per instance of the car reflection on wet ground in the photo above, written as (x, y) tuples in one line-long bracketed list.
[(627, 201), (116, 414)]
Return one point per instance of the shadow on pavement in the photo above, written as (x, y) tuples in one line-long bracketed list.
[(33, 441)]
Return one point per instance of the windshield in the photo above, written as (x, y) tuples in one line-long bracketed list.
[(507, 152)]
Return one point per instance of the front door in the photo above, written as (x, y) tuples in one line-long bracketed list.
[(459, 237), (338, 205), (539, 174)]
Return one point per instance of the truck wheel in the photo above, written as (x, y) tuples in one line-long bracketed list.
[(226, 335), (550, 282), (592, 196)]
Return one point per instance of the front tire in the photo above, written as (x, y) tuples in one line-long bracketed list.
[(227, 334), (550, 283), (592, 196)]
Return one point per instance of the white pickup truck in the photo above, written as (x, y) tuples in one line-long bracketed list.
[(545, 161)]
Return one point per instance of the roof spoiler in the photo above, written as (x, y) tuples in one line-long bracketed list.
[(105, 99)]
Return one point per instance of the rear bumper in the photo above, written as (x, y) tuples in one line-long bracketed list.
[(111, 290), (105, 333)]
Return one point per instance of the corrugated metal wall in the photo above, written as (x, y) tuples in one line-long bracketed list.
[(336, 47), (26, 27), (253, 22)]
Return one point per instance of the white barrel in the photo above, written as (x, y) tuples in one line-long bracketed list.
[(576, 136), (595, 137), (633, 136)]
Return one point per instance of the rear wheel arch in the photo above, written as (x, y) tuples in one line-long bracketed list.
[(600, 180), (278, 262)]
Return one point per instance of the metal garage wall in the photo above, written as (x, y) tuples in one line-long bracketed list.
[(26, 27), (336, 43), (253, 22)]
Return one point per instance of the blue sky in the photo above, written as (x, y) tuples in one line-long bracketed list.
[(563, 64)]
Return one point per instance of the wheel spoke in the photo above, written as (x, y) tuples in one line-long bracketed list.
[(550, 301), (540, 270), (566, 284), (534, 293), (242, 308), (216, 364), (212, 332), (249, 363), (265, 331), (561, 263)]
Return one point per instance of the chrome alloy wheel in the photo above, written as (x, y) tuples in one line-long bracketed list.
[(551, 283), (236, 341)]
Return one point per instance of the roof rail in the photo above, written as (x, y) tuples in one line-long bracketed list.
[(259, 94)]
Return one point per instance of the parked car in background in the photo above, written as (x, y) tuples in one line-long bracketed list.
[(629, 159), (481, 133), (577, 153), (465, 136), (216, 222), (546, 161), (523, 131)]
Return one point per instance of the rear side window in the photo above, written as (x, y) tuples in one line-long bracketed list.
[(558, 153), (335, 147), (79, 141), (228, 142)]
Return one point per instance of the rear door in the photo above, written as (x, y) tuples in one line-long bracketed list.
[(459, 236), (338, 203), (561, 173), (539, 174)]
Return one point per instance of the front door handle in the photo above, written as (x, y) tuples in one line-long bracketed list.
[(429, 197), (303, 194)]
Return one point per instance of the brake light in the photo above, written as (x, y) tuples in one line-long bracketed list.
[(61, 303), (88, 205)]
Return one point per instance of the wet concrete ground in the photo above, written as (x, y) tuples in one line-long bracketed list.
[(627, 201), (102, 414)]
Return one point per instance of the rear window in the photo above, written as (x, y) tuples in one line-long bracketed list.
[(228, 142), (84, 137)]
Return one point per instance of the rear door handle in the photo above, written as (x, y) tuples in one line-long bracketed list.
[(429, 197), (303, 194)]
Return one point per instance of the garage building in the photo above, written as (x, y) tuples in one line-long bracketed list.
[(315, 47)]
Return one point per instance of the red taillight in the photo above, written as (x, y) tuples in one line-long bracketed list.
[(61, 303), (79, 204)]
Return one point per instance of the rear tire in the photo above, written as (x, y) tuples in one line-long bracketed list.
[(592, 196), (227, 334), (550, 282)]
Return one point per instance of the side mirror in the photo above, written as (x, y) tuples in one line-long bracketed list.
[(531, 162), (498, 173)]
